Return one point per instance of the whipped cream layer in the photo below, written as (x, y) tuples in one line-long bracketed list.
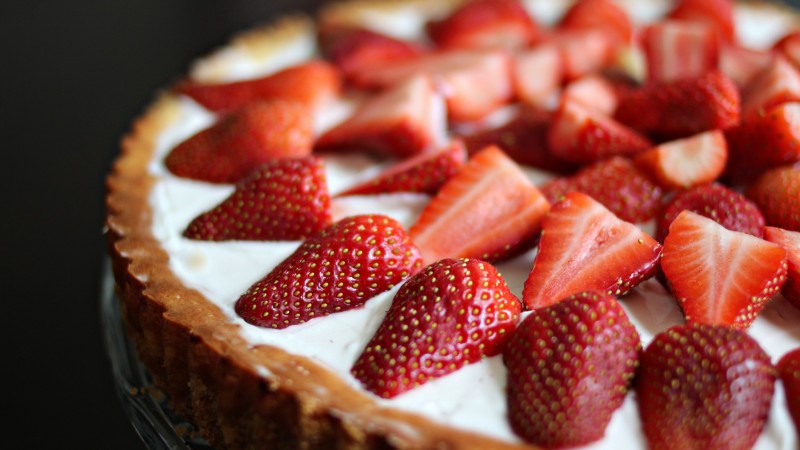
[(472, 398)]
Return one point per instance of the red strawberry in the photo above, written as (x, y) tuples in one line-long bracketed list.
[(677, 49), (789, 372), (778, 82), (720, 276), (584, 247), (717, 202), (483, 24), (592, 91), (424, 173), (453, 313), (789, 46), (581, 135), (488, 210), (602, 14), (681, 108), (310, 83), (616, 183), (243, 139), (570, 366), (537, 74), (702, 387), (403, 121), (789, 241), (741, 64), (686, 162), (777, 194), (762, 142), (283, 200), (584, 50), (716, 13), (337, 269)]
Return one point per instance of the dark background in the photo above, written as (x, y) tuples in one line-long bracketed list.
[(73, 75)]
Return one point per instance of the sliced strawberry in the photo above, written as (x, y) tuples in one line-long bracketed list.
[(424, 173), (403, 121), (687, 162), (584, 50), (311, 83), (488, 210), (716, 13), (777, 194), (777, 83), (602, 14), (570, 366), (720, 276), (537, 74), (614, 182), (243, 139), (681, 108), (789, 46), (283, 200), (453, 313), (789, 372), (584, 247), (581, 135), (593, 91), (337, 269), (715, 201), (702, 387), (789, 241), (741, 64), (483, 24), (762, 142), (676, 49)]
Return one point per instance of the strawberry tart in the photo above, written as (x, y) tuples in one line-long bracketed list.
[(485, 224)]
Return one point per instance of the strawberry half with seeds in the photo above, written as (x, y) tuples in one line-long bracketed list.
[(584, 247), (789, 241), (282, 200), (337, 269), (687, 162), (777, 194), (570, 366), (453, 313), (720, 276), (239, 141), (484, 24), (703, 386), (789, 372)]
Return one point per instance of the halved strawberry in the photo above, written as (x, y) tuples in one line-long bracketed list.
[(483, 24), (570, 366), (716, 13), (741, 64), (777, 83), (717, 202), (283, 200), (403, 121), (337, 269), (593, 91), (777, 194), (488, 210), (537, 74), (616, 183), (453, 313), (702, 387), (720, 276), (584, 50), (789, 241), (311, 83), (687, 162), (584, 247), (677, 49), (424, 173), (789, 46), (681, 108), (581, 135), (243, 139), (602, 14), (789, 372)]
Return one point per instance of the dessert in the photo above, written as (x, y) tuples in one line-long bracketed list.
[(191, 302)]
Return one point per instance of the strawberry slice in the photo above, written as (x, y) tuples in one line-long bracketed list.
[(616, 183), (581, 135), (716, 13), (681, 108), (593, 91), (720, 276), (311, 83), (777, 194), (570, 366), (601, 14), (453, 313), (584, 50), (243, 139), (489, 210), (283, 200), (789, 46), (741, 64), (777, 83), (337, 269), (584, 247), (789, 241), (403, 121), (676, 49), (537, 74), (702, 387), (717, 202), (424, 173), (683, 163), (789, 372), (484, 24)]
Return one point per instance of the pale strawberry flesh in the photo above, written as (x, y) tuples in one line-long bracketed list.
[(687, 162)]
